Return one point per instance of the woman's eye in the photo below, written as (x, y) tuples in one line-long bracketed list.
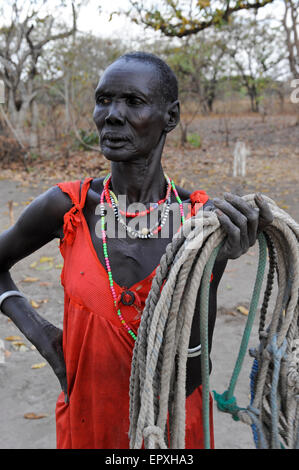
[(102, 100), (134, 101)]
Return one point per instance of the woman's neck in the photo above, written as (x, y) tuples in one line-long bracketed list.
[(140, 181)]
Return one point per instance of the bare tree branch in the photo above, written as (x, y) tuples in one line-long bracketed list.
[(153, 18), (292, 41)]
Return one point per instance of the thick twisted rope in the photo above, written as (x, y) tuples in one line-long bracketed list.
[(158, 374)]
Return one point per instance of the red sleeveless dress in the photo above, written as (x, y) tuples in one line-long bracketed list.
[(97, 349)]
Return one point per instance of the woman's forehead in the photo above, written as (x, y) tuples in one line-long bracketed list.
[(131, 76)]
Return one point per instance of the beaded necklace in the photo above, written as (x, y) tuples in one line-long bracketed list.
[(144, 232), (109, 193), (105, 250)]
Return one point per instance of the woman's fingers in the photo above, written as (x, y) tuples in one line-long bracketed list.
[(237, 218), (265, 213), (251, 214), (232, 246), (241, 222)]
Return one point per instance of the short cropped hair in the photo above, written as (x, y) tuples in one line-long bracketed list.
[(167, 79)]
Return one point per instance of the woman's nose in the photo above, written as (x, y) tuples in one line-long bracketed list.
[(115, 114)]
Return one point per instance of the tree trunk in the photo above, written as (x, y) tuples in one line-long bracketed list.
[(183, 134), (211, 94), (210, 103), (17, 117), (281, 101), (254, 101), (33, 138), (67, 101)]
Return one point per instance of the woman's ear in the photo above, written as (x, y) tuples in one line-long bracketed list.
[(173, 113)]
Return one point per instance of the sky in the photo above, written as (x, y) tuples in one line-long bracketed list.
[(90, 20)]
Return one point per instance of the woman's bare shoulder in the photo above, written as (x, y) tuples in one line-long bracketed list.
[(55, 201), (45, 214)]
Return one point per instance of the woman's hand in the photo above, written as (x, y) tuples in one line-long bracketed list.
[(50, 347), (46, 337), (241, 222)]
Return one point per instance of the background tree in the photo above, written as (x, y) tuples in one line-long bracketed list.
[(198, 64), (76, 65), (256, 49), (27, 30), (179, 18), (290, 23)]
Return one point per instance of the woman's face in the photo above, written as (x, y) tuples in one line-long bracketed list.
[(129, 112)]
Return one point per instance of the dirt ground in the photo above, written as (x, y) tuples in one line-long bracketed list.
[(28, 385)]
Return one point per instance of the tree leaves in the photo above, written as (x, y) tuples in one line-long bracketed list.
[(13, 338), (32, 415), (30, 279), (45, 263), (39, 365), (242, 310), (17, 343)]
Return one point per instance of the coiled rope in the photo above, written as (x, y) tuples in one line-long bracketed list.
[(158, 372)]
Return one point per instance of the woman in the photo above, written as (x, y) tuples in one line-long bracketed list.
[(106, 278)]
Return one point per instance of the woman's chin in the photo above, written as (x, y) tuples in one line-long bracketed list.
[(117, 154)]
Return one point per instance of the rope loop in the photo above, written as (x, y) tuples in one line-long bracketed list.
[(155, 436), (254, 410), (276, 352)]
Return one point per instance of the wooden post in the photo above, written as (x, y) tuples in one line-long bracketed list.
[(240, 154)]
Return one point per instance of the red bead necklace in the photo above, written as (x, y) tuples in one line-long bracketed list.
[(108, 194)]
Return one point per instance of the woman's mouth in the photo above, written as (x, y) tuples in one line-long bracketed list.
[(114, 140)]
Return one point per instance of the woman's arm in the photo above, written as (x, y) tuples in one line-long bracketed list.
[(41, 222)]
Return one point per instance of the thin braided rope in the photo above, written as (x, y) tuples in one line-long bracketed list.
[(270, 283)]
